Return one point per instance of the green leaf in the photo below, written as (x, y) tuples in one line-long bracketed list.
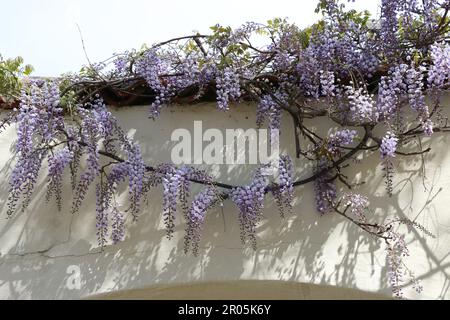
[(28, 70)]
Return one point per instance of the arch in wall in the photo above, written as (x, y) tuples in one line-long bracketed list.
[(242, 290)]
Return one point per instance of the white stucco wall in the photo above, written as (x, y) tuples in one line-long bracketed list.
[(39, 245)]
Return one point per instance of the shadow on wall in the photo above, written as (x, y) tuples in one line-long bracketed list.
[(48, 254)]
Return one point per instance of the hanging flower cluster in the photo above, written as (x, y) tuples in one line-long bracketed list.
[(357, 204), (228, 88), (361, 104), (284, 193), (250, 202), (196, 218), (150, 67), (340, 138), (39, 116), (327, 85), (439, 72), (396, 251), (57, 163), (390, 93), (269, 108), (136, 171), (387, 151), (324, 188)]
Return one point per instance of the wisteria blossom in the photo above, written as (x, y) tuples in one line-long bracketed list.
[(340, 138), (439, 73), (325, 189), (387, 150), (283, 193), (196, 218), (388, 146), (228, 88), (250, 202), (357, 204), (57, 162)]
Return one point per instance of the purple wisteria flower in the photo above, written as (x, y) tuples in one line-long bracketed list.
[(389, 26), (118, 226), (387, 150), (196, 218), (250, 201), (415, 80), (388, 146), (269, 108), (170, 192), (396, 251), (324, 188), (390, 91), (87, 178), (228, 88), (101, 216), (151, 67), (39, 114), (439, 72), (357, 204), (327, 80), (284, 191), (361, 104), (121, 64), (57, 162), (339, 138), (176, 187), (136, 171)]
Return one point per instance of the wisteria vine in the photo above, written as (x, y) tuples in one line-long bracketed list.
[(371, 74)]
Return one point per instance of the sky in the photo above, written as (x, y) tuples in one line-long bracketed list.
[(45, 32)]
